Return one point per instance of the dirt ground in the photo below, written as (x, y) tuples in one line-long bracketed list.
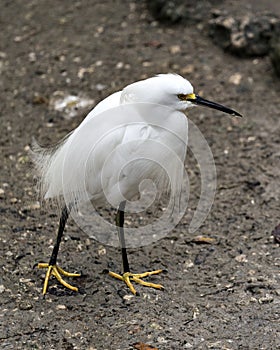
[(224, 295)]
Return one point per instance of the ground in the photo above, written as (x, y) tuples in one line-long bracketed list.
[(223, 295)]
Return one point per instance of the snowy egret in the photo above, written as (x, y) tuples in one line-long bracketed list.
[(77, 169)]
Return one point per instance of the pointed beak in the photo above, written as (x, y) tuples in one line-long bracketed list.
[(197, 100)]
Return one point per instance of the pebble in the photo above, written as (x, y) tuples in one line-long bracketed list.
[(25, 305), (189, 68), (67, 333), (235, 79), (266, 299), (83, 70), (147, 64), (100, 87), (174, 49), (33, 206), (119, 65), (32, 57), (188, 263), (241, 258), (101, 250), (196, 313), (162, 340), (155, 325), (25, 280)]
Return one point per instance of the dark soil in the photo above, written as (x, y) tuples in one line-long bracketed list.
[(223, 295)]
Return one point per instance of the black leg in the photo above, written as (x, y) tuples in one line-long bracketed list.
[(54, 269), (62, 223), (120, 222), (127, 276)]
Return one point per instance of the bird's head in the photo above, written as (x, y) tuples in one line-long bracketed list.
[(170, 90)]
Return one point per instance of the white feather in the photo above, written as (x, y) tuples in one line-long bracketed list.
[(135, 134)]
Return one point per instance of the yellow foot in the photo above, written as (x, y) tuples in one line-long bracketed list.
[(57, 272), (127, 277)]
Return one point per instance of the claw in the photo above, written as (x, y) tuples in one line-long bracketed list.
[(57, 271), (127, 277)]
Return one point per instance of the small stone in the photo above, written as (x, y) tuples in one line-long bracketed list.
[(174, 49), (25, 280), (2, 288), (147, 64), (77, 59), (32, 57), (39, 99), (119, 65), (155, 325), (100, 87), (235, 79), (2, 55), (67, 333), (25, 305), (35, 206), (101, 250), (189, 68), (60, 307), (188, 263), (83, 70), (241, 258), (162, 340), (196, 313), (203, 240), (266, 299), (153, 43)]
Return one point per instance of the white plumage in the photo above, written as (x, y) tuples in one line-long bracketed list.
[(135, 134)]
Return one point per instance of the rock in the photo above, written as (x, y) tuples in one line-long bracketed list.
[(177, 10), (247, 36)]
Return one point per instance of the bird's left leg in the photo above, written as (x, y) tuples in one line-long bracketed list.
[(53, 268), (127, 276)]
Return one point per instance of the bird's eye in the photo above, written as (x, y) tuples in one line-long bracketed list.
[(182, 97)]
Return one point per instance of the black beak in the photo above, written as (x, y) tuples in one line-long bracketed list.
[(202, 102)]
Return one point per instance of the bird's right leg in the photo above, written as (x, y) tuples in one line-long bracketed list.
[(127, 276), (53, 268)]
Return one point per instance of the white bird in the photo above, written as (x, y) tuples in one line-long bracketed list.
[(135, 134)]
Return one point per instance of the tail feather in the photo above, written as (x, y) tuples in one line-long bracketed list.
[(43, 158)]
